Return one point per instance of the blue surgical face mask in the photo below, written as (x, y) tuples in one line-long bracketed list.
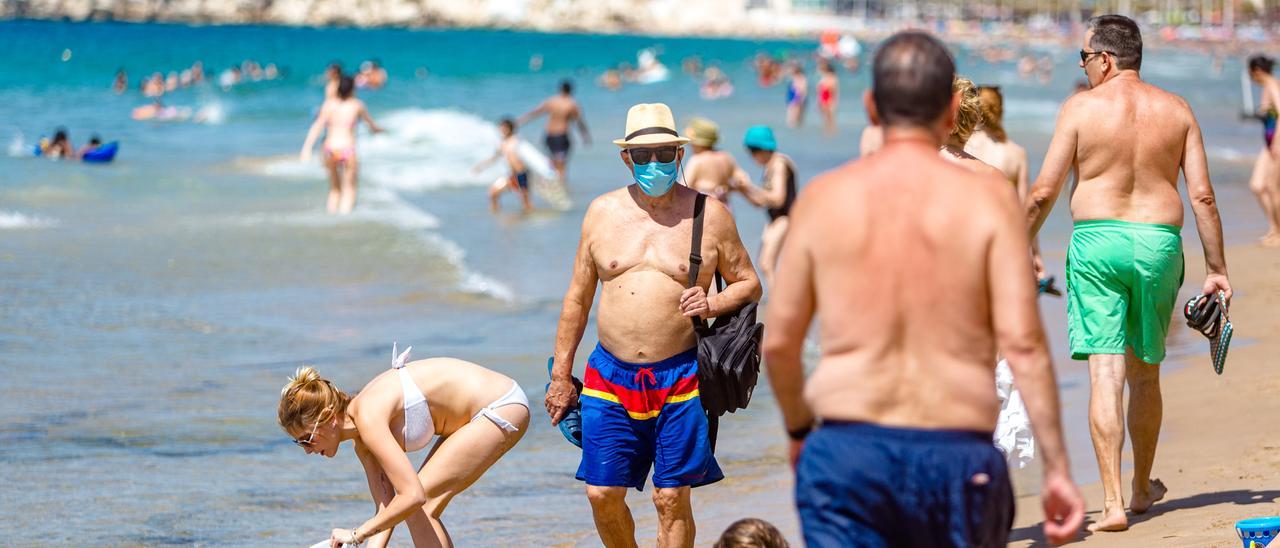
[(656, 178)]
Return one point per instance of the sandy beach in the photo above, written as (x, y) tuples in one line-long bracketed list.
[(1218, 451)]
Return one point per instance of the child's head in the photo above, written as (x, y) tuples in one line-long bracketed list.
[(751, 533), (566, 87), (95, 140), (507, 126)]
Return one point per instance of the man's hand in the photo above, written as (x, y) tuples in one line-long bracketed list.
[(1214, 283), (561, 397), (796, 447), (693, 302), (1037, 266), (1063, 508)]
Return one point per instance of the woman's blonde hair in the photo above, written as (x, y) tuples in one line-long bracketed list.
[(970, 111), (993, 113), (307, 398)]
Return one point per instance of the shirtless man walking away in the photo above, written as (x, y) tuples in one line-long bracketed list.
[(1127, 140), (917, 269), (710, 171), (640, 404), (561, 110)]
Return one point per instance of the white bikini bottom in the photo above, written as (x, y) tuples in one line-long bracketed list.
[(514, 396)]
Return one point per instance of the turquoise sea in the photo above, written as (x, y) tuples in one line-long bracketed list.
[(151, 309)]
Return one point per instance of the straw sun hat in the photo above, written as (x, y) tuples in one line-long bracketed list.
[(650, 124)]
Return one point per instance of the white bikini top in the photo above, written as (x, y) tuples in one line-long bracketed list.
[(419, 429)]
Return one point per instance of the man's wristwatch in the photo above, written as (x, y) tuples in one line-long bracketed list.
[(801, 433)]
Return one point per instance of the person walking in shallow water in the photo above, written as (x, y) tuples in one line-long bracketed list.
[(917, 269), (561, 110), (1265, 181), (1127, 141), (640, 403), (338, 119)]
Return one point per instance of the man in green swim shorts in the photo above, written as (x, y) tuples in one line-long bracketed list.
[(1127, 140)]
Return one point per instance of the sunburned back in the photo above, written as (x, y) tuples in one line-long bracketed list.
[(455, 391), (1006, 156), (1130, 141), (709, 173), (901, 275)]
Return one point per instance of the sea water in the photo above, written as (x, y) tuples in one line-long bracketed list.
[(151, 309)]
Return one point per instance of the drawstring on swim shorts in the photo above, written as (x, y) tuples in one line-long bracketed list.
[(640, 377)]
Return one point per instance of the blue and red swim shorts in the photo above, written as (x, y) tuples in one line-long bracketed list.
[(638, 415)]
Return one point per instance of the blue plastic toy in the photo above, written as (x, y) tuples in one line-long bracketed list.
[(1258, 530)]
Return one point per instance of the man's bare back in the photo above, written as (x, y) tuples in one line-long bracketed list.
[(642, 261), (1128, 138), (884, 250), (561, 111), (710, 173)]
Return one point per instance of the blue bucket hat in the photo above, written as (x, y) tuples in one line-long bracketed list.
[(760, 137)]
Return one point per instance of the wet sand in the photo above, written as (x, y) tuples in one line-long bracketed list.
[(1219, 451)]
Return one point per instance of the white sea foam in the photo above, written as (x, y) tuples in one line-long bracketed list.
[(12, 220), (421, 150), (18, 146)]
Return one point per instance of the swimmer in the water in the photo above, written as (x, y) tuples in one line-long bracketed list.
[(59, 147), (338, 119)]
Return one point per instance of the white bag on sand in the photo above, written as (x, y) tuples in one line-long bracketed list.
[(1013, 435)]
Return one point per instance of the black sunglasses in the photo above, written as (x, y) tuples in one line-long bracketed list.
[(1085, 55), (641, 156)]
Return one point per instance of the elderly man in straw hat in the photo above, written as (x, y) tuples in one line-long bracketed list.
[(710, 171), (640, 405)]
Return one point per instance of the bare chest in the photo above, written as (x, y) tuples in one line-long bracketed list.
[(647, 247)]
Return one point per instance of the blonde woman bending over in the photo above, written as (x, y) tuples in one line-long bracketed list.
[(478, 415)]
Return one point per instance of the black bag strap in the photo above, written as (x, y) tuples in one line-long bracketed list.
[(695, 251)]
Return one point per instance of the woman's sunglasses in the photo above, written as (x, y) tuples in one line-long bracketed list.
[(641, 156), (310, 437)]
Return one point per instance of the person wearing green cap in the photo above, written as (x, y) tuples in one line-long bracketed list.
[(776, 194), (710, 171)]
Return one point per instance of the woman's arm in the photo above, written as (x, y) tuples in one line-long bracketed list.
[(776, 193), (364, 115), (314, 133), (409, 494), (382, 491)]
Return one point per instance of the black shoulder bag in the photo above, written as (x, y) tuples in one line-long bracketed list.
[(728, 346)]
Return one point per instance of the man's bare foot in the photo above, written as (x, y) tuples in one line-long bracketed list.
[(1112, 520), (1142, 500), (1271, 241)]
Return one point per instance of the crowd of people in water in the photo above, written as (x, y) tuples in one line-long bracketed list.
[(932, 230)]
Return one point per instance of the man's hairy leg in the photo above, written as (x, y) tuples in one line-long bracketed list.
[(1106, 427)]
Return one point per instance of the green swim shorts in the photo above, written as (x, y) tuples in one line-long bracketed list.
[(1122, 281)]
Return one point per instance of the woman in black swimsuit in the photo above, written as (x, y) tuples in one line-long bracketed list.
[(776, 194)]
